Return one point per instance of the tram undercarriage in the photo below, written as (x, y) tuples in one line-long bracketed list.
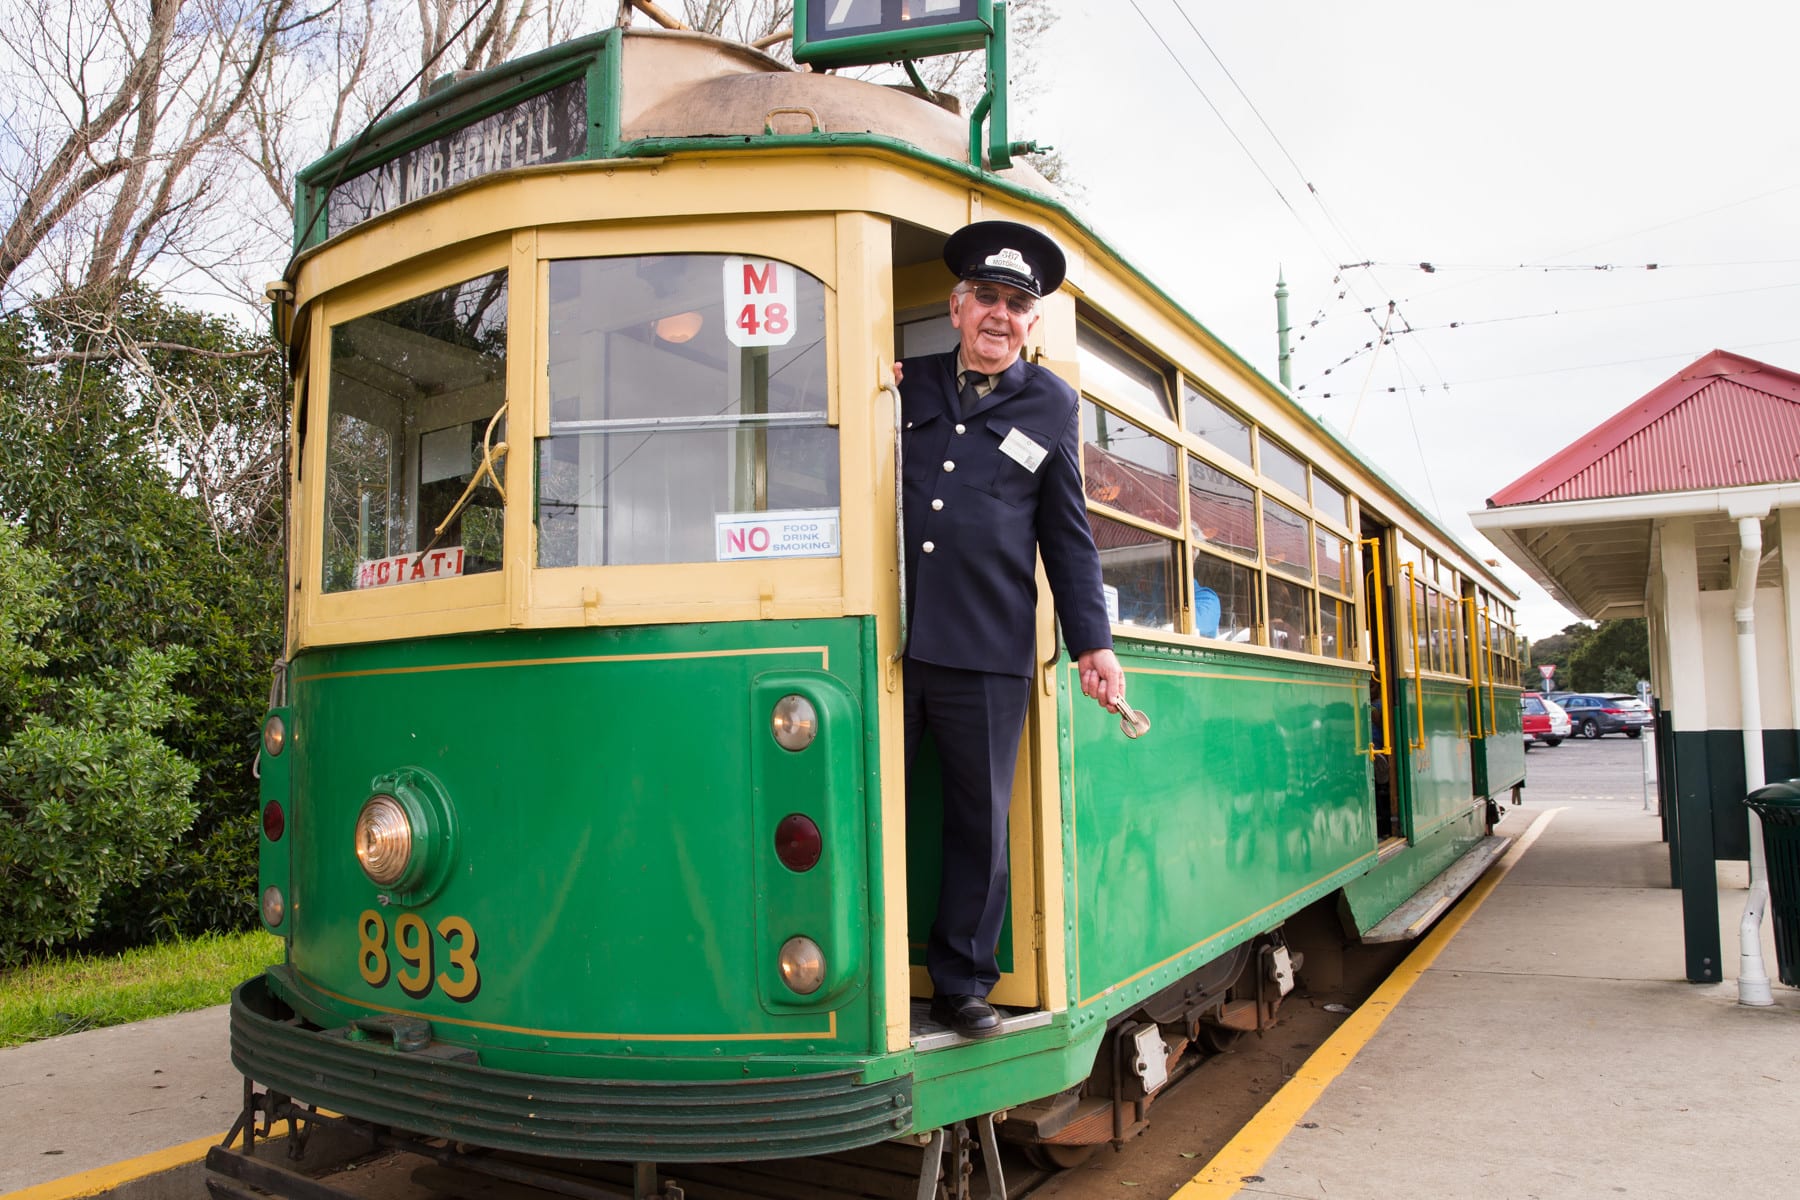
[(1144, 1051)]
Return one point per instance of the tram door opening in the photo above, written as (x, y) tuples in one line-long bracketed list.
[(922, 327), (1382, 637)]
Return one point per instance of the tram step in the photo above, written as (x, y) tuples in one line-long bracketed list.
[(1415, 915), (927, 1034)]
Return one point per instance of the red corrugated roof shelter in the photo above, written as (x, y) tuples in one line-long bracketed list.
[(1684, 509), (1725, 421)]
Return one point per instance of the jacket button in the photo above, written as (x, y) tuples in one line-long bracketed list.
[(928, 547), (959, 429), (936, 505), (949, 466)]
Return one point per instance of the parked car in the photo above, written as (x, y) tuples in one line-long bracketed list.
[(1598, 714), (1633, 704), (1544, 720)]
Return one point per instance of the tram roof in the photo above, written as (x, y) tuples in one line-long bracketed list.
[(655, 93)]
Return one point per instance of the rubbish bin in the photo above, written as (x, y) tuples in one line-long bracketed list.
[(1779, 807)]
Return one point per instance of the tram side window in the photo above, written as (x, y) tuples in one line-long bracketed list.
[(1284, 467), (1417, 616), (1216, 424), (1131, 470), (1329, 498), (414, 389), (1261, 571), (1108, 365), (1225, 601), (1336, 612), (1222, 524), (687, 424)]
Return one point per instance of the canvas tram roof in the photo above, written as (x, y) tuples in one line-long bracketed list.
[(663, 93), (1718, 436)]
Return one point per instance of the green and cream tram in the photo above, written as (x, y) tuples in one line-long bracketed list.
[(584, 821)]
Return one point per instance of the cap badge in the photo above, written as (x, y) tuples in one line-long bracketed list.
[(1010, 260)]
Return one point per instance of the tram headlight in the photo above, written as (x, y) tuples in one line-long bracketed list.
[(274, 735), (802, 965), (795, 723), (384, 840), (274, 906)]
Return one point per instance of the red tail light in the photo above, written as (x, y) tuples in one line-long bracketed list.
[(274, 821), (797, 842)]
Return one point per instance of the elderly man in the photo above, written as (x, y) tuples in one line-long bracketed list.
[(993, 478)]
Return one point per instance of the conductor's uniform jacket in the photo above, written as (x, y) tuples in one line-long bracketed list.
[(985, 492)]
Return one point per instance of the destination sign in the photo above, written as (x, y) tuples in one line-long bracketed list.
[(550, 127)]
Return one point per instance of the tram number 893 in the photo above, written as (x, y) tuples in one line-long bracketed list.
[(414, 946)]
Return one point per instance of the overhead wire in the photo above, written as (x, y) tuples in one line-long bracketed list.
[(1607, 241), (1385, 333), (1432, 268), (1193, 81), (1367, 347), (1681, 355), (1707, 212), (1311, 189), (1412, 420)]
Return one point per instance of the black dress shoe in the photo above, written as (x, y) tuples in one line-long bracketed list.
[(971, 1016)]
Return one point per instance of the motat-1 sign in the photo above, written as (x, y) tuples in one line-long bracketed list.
[(445, 563), (550, 127)]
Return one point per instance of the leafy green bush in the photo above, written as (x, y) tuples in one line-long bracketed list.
[(165, 540), (90, 798)]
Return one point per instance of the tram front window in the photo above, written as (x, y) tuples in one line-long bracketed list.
[(687, 413), (414, 389)]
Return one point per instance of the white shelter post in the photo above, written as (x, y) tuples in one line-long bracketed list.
[(1753, 977)]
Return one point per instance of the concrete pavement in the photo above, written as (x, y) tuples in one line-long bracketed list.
[(88, 1100), (1552, 1051)]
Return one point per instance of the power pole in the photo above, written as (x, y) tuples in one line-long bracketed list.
[(1284, 365)]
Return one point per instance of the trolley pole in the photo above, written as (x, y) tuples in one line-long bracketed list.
[(1283, 364)]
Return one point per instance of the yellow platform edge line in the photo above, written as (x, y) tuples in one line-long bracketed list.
[(1246, 1154), (101, 1179)]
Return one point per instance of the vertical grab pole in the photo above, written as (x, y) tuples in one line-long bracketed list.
[(899, 530), (1493, 723), (1412, 608), (1476, 666), (1372, 597)]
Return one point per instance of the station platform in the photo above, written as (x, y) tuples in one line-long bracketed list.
[(1539, 1043)]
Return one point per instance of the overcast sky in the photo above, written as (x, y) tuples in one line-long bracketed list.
[(1578, 134)]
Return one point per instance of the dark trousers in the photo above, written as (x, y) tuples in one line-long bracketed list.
[(976, 719)]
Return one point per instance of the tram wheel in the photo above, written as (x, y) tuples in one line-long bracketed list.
[(1053, 1156), (1218, 1039)]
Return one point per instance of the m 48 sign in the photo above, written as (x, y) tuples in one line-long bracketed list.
[(759, 301)]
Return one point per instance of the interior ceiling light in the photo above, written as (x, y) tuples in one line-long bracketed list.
[(679, 328)]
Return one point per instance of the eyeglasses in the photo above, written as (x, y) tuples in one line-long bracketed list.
[(1018, 304)]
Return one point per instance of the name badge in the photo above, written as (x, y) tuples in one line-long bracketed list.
[(1023, 450)]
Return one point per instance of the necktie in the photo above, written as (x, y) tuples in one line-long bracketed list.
[(970, 395)]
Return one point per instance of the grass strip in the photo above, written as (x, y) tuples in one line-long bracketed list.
[(71, 994)]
